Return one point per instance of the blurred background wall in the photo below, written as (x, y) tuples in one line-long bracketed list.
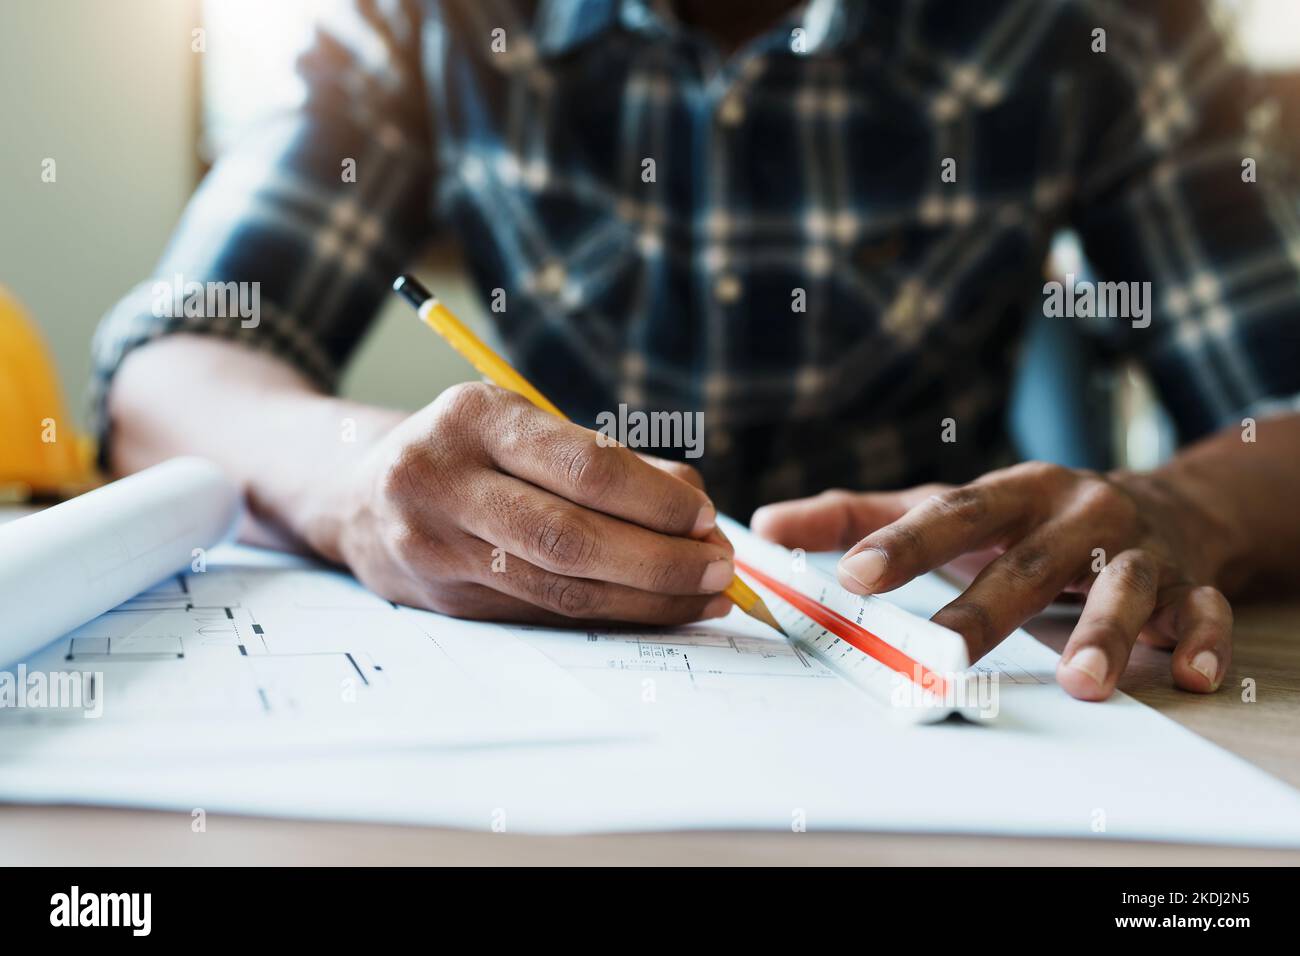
[(107, 91), (114, 93)]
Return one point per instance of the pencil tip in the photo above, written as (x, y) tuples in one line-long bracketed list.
[(760, 613)]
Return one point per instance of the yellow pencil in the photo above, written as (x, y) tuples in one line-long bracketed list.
[(500, 372)]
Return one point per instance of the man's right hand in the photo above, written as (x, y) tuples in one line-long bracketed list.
[(483, 506)]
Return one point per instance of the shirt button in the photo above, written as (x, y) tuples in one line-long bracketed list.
[(732, 111), (908, 302), (727, 289), (551, 279)]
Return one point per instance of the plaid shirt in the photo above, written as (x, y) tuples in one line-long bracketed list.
[(804, 170)]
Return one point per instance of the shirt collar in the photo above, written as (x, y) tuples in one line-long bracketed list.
[(562, 25), (832, 24)]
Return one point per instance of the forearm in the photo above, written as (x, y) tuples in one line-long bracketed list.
[(1249, 490), (252, 414)]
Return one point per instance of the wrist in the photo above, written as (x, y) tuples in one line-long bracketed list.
[(1190, 499), (310, 504)]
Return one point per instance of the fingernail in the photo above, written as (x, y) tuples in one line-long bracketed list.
[(717, 575), (1207, 663), (1092, 661), (866, 567), (720, 606), (704, 521)]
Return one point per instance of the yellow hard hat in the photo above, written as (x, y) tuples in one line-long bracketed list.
[(41, 452)]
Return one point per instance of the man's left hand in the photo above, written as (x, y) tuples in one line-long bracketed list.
[(1145, 556)]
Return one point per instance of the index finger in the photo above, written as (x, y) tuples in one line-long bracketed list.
[(943, 527), (577, 464)]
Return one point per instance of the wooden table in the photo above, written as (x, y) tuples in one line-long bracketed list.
[(1264, 732)]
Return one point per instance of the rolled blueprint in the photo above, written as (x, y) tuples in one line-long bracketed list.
[(63, 566)]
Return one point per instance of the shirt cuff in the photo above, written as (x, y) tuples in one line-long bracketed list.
[(151, 310)]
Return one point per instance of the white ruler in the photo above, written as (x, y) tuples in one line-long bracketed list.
[(914, 668)]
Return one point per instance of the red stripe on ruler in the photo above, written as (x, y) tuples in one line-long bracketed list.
[(852, 633)]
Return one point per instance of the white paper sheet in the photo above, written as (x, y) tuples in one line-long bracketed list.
[(262, 651), (740, 731), (235, 651), (63, 566)]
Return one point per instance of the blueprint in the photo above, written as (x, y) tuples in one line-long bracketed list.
[(267, 685), (260, 651)]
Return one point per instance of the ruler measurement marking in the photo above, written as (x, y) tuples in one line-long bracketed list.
[(851, 633)]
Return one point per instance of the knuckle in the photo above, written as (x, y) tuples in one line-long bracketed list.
[(687, 473), (840, 502), (677, 511), (410, 546), (518, 427), (592, 469), (463, 403), (1045, 472), (1136, 571), (563, 542), (932, 488), (966, 504), (1108, 630), (836, 495), (668, 577), (571, 597), (402, 474), (678, 507), (1100, 500), (1028, 565), (1216, 604)]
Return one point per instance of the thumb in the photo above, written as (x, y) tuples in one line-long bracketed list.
[(834, 520)]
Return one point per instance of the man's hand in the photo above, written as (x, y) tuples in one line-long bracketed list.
[(1145, 555), (482, 506)]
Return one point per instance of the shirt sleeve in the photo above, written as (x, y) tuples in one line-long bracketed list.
[(1185, 184), (290, 242)]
